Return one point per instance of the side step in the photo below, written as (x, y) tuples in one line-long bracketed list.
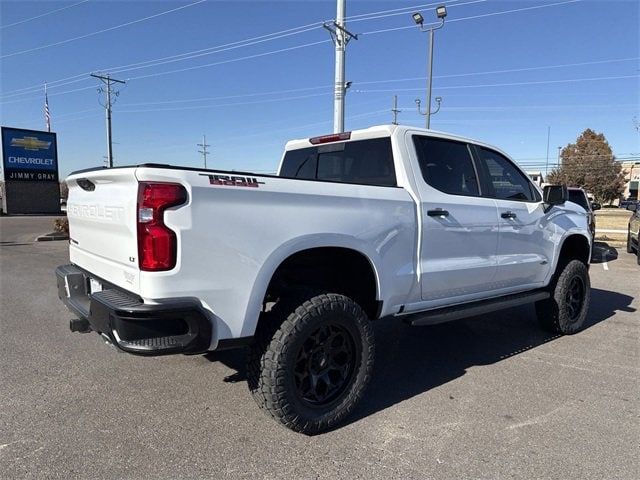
[(456, 312)]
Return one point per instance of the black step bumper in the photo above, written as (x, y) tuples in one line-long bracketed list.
[(177, 325)]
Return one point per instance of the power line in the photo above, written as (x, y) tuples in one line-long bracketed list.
[(510, 70), (200, 107), (246, 57), (232, 60), (353, 18), (217, 49), (541, 82), (236, 44), (407, 10), (172, 58), (68, 40), (42, 15), (226, 97), (503, 12)]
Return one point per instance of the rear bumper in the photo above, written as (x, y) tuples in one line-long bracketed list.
[(178, 325)]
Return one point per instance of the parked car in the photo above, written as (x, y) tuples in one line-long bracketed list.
[(633, 232), (579, 196), (629, 202), (389, 221)]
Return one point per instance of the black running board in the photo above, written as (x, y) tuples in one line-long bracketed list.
[(447, 314)]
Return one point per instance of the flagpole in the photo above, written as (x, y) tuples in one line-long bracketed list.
[(47, 115)]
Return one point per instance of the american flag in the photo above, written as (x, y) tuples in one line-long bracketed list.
[(47, 114)]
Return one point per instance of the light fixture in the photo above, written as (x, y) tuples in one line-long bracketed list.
[(417, 17), (441, 11)]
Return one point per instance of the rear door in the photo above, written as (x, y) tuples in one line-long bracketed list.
[(525, 249), (459, 227), (102, 224)]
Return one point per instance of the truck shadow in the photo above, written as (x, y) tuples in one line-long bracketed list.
[(413, 360)]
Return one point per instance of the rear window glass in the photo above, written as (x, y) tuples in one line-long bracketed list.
[(365, 162)]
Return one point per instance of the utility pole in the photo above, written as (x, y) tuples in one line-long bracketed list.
[(204, 151), (395, 110), (546, 168), (108, 82), (340, 36)]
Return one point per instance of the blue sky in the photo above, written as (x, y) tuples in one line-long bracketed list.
[(569, 65)]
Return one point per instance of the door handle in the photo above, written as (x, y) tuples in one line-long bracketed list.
[(438, 212), (508, 215)]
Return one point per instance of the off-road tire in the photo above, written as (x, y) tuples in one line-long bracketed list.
[(561, 313), (283, 334)]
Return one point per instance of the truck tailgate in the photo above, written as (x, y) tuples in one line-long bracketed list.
[(102, 208)]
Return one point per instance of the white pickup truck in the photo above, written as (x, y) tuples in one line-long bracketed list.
[(389, 221)]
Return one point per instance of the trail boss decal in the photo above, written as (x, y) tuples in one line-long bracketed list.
[(234, 181)]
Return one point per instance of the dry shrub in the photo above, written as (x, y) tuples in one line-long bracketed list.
[(61, 225)]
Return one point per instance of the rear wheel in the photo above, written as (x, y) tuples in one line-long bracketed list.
[(566, 310), (312, 361), (629, 245)]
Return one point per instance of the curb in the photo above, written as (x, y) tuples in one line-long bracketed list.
[(49, 237)]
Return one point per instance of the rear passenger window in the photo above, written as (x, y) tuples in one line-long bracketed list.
[(365, 162), (506, 182), (446, 165), (299, 164)]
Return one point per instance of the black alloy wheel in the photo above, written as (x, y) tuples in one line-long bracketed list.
[(324, 365), (575, 297)]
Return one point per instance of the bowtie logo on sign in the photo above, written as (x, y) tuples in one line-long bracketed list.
[(30, 143)]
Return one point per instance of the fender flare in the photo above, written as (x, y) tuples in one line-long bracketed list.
[(293, 246), (568, 233)]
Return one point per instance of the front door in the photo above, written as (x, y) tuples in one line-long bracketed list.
[(525, 249)]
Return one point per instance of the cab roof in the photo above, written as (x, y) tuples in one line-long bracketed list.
[(378, 131)]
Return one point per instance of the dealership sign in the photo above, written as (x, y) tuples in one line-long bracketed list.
[(29, 155)]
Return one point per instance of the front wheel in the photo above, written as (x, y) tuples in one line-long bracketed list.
[(566, 310), (629, 246), (311, 361)]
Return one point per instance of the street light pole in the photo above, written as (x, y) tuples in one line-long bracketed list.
[(430, 80), (441, 12)]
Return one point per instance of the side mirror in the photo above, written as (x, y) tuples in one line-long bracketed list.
[(632, 207), (595, 206), (555, 194)]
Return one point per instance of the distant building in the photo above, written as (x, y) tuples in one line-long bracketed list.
[(631, 170), (536, 177)]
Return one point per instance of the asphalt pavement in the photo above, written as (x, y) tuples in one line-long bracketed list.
[(491, 397)]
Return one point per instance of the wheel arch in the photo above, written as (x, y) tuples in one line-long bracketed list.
[(574, 246), (307, 252)]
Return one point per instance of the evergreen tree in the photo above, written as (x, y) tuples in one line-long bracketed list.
[(589, 163)]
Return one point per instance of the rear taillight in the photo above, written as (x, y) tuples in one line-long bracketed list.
[(157, 245)]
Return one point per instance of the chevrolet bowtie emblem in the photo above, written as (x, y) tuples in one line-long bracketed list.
[(30, 143)]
